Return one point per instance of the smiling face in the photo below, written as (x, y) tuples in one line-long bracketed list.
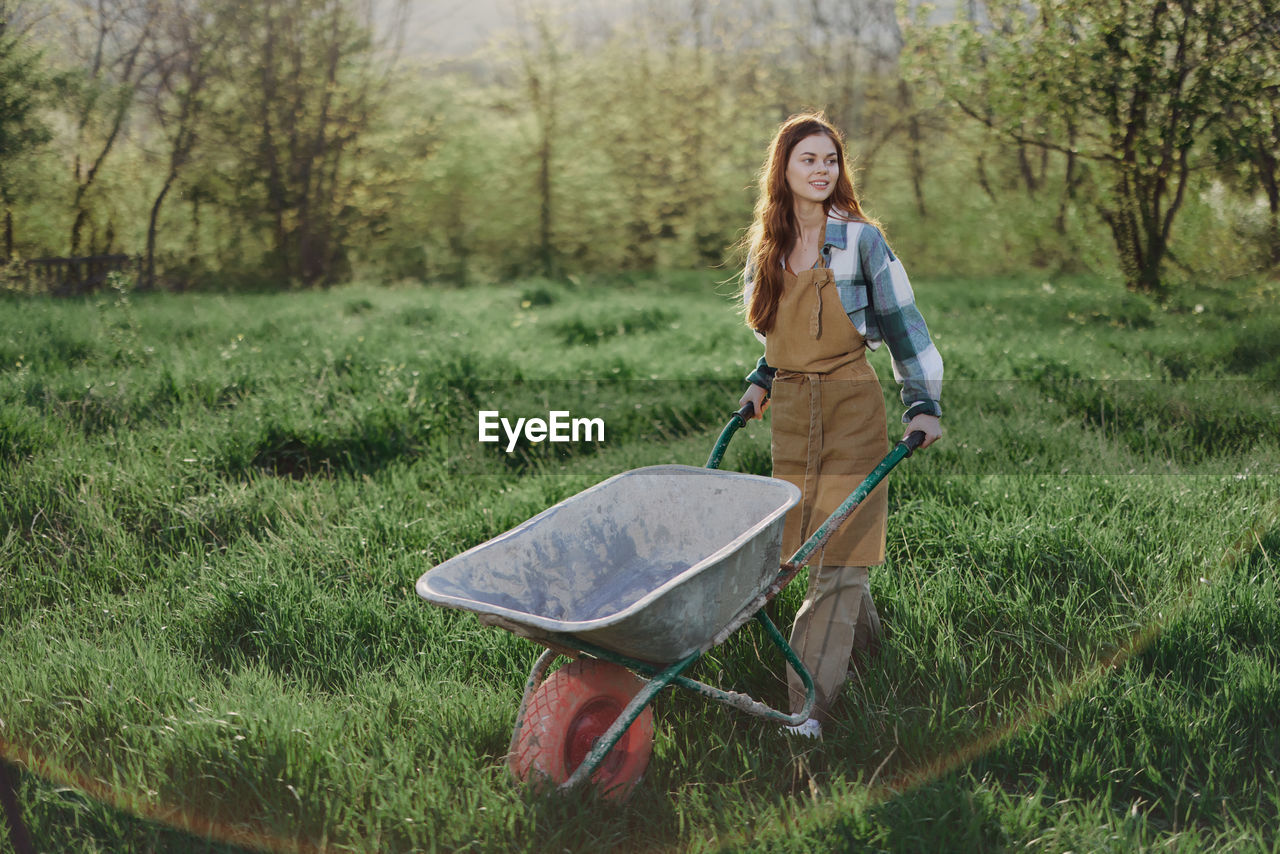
[(812, 168)]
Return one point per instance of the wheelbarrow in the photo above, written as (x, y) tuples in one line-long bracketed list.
[(637, 576)]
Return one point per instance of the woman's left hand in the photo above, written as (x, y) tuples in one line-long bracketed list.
[(926, 424)]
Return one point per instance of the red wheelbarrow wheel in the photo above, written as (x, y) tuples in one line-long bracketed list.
[(565, 717)]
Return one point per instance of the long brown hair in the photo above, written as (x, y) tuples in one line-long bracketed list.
[(774, 229)]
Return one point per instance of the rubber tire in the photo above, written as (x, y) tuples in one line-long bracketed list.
[(571, 710)]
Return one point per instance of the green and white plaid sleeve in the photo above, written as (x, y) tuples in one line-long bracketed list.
[(762, 375), (894, 319)]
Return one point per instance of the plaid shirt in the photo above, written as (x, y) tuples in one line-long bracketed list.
[(873, 277)]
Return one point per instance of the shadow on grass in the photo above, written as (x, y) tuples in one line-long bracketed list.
[(69, 821)]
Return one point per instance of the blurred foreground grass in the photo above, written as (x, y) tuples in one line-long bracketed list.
[(213, 511)]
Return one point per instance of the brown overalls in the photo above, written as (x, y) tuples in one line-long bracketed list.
[(829, 432)]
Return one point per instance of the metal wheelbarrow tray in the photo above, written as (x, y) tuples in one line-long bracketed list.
[(651, 563)]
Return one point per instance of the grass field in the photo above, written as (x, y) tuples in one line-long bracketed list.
[(213, 511)]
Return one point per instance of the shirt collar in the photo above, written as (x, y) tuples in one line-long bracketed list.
[(837, 230)]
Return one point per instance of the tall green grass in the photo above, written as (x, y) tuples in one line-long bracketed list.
[(213, 511)]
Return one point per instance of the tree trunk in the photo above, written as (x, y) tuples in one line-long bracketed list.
[(1267, 172), (1274, 261), (983, 181), (1069, 181), (1028, 174), (77, 228), (193, 245), (268, 150), (1140, 250), (917, 158), (546, 250), (149, 265)]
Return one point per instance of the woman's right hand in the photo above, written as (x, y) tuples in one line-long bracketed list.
[(757, 397)]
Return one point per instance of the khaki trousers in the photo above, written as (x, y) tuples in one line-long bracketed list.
[(838, 614)]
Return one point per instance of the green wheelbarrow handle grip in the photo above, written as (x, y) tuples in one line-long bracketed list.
[(913, 440), (737, 421)]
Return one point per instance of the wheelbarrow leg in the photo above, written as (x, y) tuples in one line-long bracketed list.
[(794, 660), (628, 716)]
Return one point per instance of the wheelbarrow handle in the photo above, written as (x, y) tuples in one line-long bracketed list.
[(737, 421), (824, 532), (912, 441)]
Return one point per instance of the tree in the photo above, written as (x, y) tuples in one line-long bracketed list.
[(109, 38), (848, 53), (1132, 85), (305, 79), (182, 55), (1246, 143), (23, 85), (541, 63)]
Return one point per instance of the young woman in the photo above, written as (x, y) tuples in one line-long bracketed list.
[(822, 287)]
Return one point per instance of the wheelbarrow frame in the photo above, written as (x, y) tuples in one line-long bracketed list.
[(660, 677)]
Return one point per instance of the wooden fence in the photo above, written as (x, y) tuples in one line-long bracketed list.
[(72, 276)]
